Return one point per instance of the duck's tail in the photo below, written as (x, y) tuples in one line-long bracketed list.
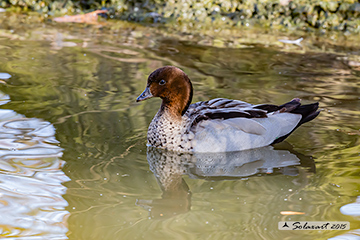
[(308, 113)]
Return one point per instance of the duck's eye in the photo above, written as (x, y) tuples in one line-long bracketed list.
[(162, 82)]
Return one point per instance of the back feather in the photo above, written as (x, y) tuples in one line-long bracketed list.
[(247, 117)]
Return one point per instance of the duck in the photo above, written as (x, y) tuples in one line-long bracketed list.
[(216, 125)]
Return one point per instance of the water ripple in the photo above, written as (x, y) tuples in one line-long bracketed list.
[(31, 202)]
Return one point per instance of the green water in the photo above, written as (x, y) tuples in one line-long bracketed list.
[(73, 156)]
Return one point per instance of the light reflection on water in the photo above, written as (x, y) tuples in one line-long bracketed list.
[(169, 168), (87, 91), (31, 202)]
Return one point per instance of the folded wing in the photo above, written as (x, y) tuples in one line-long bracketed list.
[(231, 125)]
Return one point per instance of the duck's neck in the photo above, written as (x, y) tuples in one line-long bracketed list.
[(178, 103)]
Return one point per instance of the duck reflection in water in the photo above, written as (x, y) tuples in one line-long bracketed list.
[(169, 167)]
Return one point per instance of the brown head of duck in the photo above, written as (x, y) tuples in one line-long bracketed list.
[(173, 86)]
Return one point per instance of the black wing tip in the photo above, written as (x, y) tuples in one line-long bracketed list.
[(308, 113), (310, 117)]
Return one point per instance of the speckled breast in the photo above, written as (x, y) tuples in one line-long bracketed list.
[(169, 134)]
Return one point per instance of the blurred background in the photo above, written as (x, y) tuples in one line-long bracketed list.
[(73, 157)]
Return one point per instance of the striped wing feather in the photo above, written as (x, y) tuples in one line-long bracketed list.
[(243, 123)]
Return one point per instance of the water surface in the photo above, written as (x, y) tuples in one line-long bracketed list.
[(73, 156)]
